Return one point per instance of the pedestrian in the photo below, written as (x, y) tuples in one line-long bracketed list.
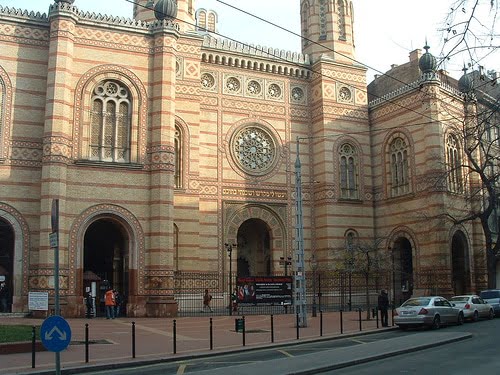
[(118, 303), (109, 302), (207, 298), (89, 304), (383, 306), (234, 300), (4, 296)]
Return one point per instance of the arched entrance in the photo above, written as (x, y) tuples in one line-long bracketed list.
[(402, 256), (106, 260), (460, 269), (6, 263), (254, 248)]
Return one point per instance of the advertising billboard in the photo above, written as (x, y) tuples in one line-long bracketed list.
[(264, 290)]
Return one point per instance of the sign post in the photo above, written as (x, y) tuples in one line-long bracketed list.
[(55, 334), (54, 243)]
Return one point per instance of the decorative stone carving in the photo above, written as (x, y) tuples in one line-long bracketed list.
[(345, 95), (207, 81)]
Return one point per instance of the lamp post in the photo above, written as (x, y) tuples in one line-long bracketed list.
[(314, 267), (229, 249)]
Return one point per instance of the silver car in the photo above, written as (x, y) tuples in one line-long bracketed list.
[(427, 311), (473, 307)]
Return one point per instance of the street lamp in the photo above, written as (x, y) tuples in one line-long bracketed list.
[(314, 267), (229, 249)]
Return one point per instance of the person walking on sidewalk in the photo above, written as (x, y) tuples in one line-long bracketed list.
[(109, 302), (383, 306), (207, 298)]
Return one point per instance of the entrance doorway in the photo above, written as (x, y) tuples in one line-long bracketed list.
[(106, 256), (254, 248), (402, 255), (460, 264), (6, 264)]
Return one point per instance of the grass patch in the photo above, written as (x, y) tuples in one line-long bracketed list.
[(11, 333)]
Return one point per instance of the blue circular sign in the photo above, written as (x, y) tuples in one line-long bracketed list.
[(55, 333)]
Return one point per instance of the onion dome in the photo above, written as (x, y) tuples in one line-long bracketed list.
[(427, 62), (165, 9), (465, 83), (65, 1)]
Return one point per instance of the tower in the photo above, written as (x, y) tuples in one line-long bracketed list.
[(143, 10), (327, 26)]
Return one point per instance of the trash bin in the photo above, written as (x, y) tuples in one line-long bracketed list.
[(239, 325)]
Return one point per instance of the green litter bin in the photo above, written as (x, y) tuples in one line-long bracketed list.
[(239, 325)]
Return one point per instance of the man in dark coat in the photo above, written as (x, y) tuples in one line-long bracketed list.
[(383, 306), (4, 298)]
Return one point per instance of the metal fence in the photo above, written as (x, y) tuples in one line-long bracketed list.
[(325, 291)]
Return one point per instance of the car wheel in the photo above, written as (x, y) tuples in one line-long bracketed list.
[(461, 319), (436, 323), (475, 316), (491, 315)]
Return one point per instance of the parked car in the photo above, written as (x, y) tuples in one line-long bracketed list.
[(473, 307), (492, 296), (431, 311)]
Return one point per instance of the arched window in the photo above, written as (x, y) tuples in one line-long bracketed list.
[(2, 121), (400, 178), (350, 239), (110, 123), (454, 164), (178, 157), (348, 172), (305, 23), (323, 19), (341, 19)]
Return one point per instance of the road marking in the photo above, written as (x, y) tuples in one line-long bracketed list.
[(358, 341), (181, 369), (285, 353), (157, 331)]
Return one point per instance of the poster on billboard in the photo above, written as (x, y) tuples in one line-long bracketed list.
[(264, 290)]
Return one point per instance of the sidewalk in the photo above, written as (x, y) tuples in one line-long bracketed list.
[(154, 338)]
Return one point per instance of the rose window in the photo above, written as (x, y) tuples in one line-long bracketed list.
[(345, 94), (297, 94), (233, 84), (274, 91), (207, 81), (254, 88), (254, 149)]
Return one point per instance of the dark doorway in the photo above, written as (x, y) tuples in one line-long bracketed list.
[(106, 256), (460, 264), (403, 270), (254, 248), (7, 261)]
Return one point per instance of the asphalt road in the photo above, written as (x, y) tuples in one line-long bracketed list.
[(477, 355)]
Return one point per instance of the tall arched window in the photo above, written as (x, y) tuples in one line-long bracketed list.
[(348, 172), (305, 23), (454, 164), (176, 247), (341, 19), (2, 121), (400, 175), (110, 123), (178, 157)]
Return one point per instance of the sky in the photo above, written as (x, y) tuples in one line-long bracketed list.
[(385, 30)]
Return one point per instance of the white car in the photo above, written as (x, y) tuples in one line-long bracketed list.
[(431, 311), (473, 307)]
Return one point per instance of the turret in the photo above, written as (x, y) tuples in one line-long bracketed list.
[(144, 10)]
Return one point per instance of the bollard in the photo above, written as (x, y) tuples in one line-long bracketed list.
[(133, 339), (211, 335), (341, 322), (376, 316), (297, 321), (243, 330), (360, 326), (86, 343), (272, 328), (392, 315), (321, 323), (175, 336), (33, 346)]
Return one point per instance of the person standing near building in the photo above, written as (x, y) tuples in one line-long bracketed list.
[(118, 303), (109, 302), (383, 306), (4, 297), (89, 305), (207, 298)]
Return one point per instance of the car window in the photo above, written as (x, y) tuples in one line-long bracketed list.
[(446, 303), (438, 302), (488, 294), (417, 302), (481, 300), (477, 301)]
